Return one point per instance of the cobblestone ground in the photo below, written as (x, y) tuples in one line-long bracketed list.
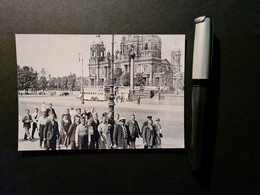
[(170, 111)]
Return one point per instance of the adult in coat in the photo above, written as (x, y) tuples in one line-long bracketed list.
[(134, 131), (95, 137), (104, 134), (51, 133), (51, 110), (64, 130), (72, 131), (149, 135), (111, 123), (145, 123), (121, 134), (27, 119)]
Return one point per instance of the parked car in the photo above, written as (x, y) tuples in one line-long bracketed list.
[(65, 93)]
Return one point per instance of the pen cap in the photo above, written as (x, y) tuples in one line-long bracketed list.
[(202, 48)]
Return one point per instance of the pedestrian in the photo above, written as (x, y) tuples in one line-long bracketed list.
[(104, 134), (145, 123), (134, 131), (92, 111), (121, 134), (35, 118), (121, 98), (51, 132), (41, 125), (72, 131), (64, 129), (51, 109), (117, 117), (158, 133), (67, 112), (91, 136), (81, 135), (87, 114), (72, 114), (44, 107), (27, 119), (95, 124), (148, 135), (78, 113), (138, 100), (111, 124)]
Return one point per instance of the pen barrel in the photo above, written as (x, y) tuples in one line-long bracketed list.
[(199, 97)]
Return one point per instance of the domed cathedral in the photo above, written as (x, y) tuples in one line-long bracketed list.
[(147, 62)]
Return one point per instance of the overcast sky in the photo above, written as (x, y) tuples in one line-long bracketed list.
[(59, 54)]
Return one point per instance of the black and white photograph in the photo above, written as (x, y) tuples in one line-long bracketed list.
[(100, 91)]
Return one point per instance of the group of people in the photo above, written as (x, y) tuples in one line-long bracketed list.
[(82, 129)]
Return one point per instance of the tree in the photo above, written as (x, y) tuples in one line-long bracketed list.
[(71, 81), (125, 79), (26, 78), (43, 83), (52, 83), (167, 78), (58, 83), (117, 75), (139, 80), (64, 82)]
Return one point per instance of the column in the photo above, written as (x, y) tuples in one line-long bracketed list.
[(132, 71), (105, 75), (108, 74), (151, 76), (97, 73)]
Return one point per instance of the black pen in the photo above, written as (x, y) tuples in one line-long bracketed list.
[(202, 54)]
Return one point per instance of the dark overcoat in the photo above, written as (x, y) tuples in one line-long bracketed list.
[(119, 135)]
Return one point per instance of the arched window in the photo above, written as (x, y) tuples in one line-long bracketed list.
[(146, 46)]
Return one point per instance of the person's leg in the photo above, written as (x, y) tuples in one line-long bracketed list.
[(53, 144), (81, 143), (73, 145), (41, 137), (125, 143), (33, 129), (133, 143), (27, 133), (86, 142)]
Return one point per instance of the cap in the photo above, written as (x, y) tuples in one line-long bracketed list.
[(150, 117), (202, 50), (157, 119), (122, 118)]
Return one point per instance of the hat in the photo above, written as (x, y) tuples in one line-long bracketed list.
[(150, 117), (157, 119), (122, 118)]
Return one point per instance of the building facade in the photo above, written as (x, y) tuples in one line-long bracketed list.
[(147, 62)]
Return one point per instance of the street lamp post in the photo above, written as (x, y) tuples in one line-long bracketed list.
[(111, 103), (82, 84), (132, 57)]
